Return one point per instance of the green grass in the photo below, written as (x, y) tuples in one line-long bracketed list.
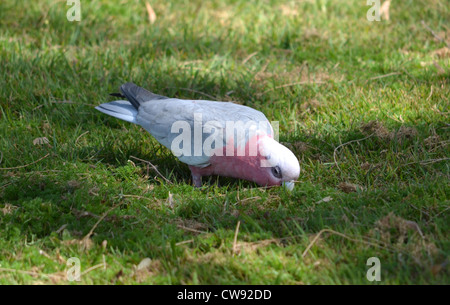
[(320, 69)]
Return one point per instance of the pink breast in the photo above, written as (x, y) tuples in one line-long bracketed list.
[(246, 167)]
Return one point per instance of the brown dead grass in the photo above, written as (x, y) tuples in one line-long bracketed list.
[(406, 132), (349, 187), (310, 106), (380, 131), (442, 53), (289, 10), (376, 128), (434, 141), (84, 244), (406, 235), (300, 147), (298, 74), (147, 268), (8, 209), (191, 225), (251, 247)]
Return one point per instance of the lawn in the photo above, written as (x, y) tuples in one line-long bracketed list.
[(364, 106)]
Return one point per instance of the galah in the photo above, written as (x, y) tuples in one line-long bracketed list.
[(218, 138)]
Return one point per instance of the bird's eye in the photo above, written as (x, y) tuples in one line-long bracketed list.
[(276, 171)]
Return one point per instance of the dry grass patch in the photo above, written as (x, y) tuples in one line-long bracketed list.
[(407, 236)]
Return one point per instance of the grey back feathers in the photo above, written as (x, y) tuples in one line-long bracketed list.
[(158, 118), (157, 114)]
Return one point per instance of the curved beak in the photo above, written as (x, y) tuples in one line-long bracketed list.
[(289, 185)]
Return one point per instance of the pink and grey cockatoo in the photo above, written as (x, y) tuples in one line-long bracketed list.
[(218, 138)]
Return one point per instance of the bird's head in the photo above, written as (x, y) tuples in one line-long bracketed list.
[(278, 163)]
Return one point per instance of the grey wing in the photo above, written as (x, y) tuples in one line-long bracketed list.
[(163, 119)]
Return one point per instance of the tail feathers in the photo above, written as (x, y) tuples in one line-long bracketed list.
[(123, 110)]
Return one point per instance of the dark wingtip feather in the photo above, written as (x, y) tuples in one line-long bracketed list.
[(118, 95), (129, 90), (137, 95)]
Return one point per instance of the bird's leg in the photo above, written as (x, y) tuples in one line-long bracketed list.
[(197, 179), (196, 176)]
